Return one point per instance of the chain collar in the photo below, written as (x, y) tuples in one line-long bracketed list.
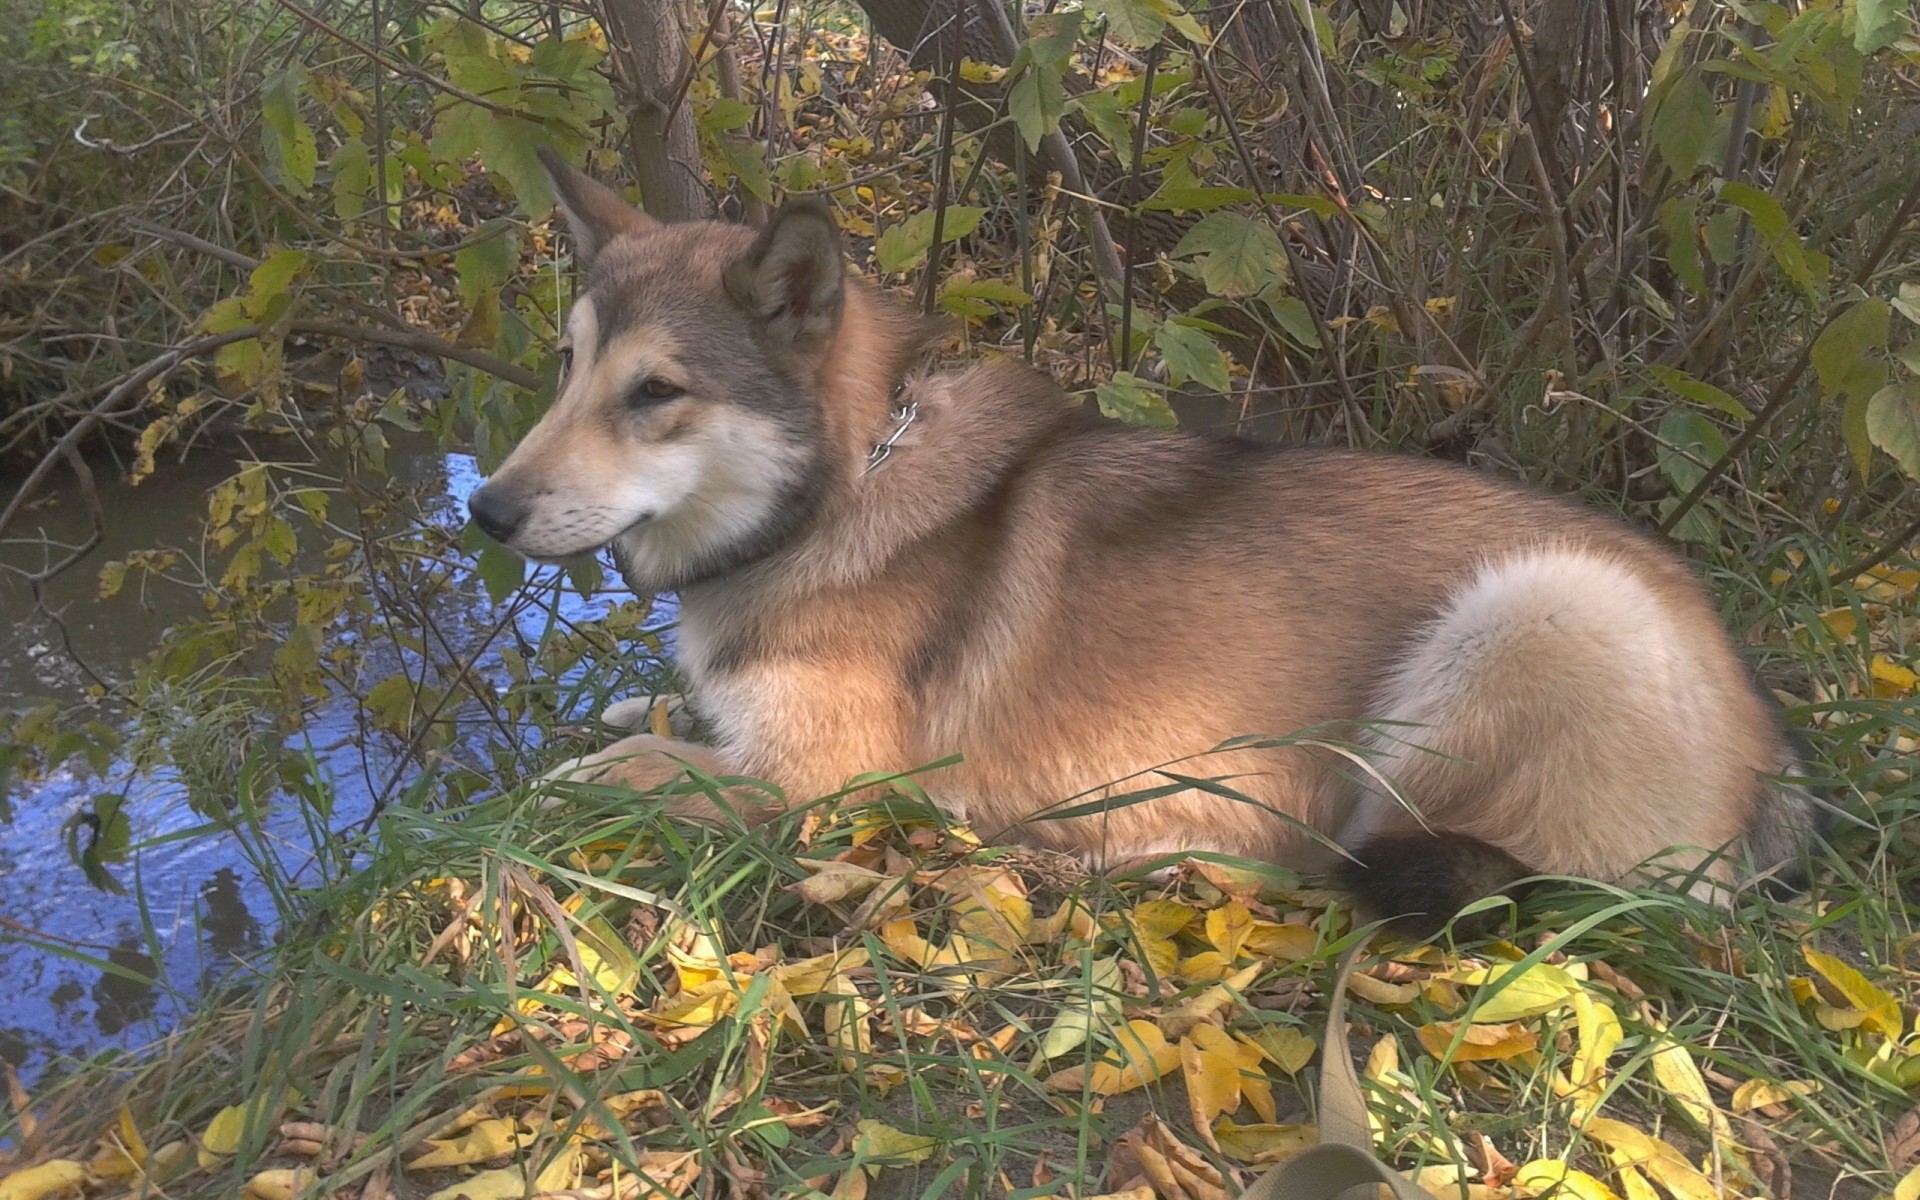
[(904, 412)]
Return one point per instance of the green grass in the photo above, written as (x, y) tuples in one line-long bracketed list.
[(379, 1018)]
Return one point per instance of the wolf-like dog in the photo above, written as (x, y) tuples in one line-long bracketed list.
[(880, 566)]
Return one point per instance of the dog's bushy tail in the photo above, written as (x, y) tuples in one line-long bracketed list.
[(1416, 882)]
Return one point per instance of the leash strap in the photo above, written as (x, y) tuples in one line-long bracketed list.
[(1344, 1159)]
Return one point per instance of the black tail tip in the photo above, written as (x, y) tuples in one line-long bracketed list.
[(1418, 882)]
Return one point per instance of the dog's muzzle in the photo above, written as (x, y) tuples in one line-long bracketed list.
[(496, 511)]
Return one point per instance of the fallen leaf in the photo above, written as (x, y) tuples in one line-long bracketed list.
[(1878, 1009), (1628, 1146), (1551, 1175), (878, 1143), (1378, 991), (1141, 1055), (1210, 1003), (1265, 1143), (1539, 989), (55, 1177), (1210, 1064), (1598, 1030), (1449, 1042), (834, 880), (1228, 927), (280, 1183), (1285, 1046), (1094, 1004), (483, 1141)]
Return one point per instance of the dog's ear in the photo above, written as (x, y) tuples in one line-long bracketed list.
[(794, 279), (596, 214)]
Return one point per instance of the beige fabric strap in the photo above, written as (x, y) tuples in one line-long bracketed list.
[(1344, 1159)]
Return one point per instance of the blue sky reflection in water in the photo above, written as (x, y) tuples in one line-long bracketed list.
[(194, 908)]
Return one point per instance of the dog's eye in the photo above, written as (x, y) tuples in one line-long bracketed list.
[(566, 363), (652, 390)]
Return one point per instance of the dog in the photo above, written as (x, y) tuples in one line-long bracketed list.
[(881, 566)]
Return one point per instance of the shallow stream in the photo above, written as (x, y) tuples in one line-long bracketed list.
[(86, 969)]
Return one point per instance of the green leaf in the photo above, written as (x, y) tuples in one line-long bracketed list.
[(975, 298), (904, 246), (1036, 102), (507, 148), (501, 571), (1679, 220), (352, 178), (1846, 354), (1877, 24), (489, 262), (1689, 444), (1127, 397), (1853, 428), (269, 283), (1771, 221), (1198, 199), (1191, 355), (1237, 255), (1682, 384), (1291, 314), (1907, 302), (1052, 37), (1129, 22), (289, 146), (1723, 237), (1893, 424), (1683, 124)]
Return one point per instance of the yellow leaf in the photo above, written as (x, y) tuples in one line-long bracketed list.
[(878, 1141), (1551, 1175), (224, 1132), (1093, 1006), (1674, 1067), (834, 880), (1159, 918), (807, 976), (1586, 1078), (1158, 954), (1208, 964), (1382, 1059), (56, 1177), (846, 1023), (1141, 1055), (1759, 1093), (1285, 1046), (1263, 1143), (510, 1183), (1628, 1146), (1882, 1012), (1228, 927), (282, 1183), (1843, 623), (482, 1141), (1209, 1004), (902, 936), (1210, 1063), (1890, 678), (1478, 1042), (1909, 1186), (1288, 943), (130, 1137), (1376, 991), (1541, 988)]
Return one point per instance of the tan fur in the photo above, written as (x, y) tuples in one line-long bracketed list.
[(1069, 608)]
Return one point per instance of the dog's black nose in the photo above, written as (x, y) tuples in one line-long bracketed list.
[(496, 511)]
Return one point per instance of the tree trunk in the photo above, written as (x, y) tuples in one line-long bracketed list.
[(650, 60)]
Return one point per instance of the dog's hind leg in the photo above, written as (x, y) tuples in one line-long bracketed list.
[(1561, 714)]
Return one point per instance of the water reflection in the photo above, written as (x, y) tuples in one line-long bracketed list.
[(127, 966)]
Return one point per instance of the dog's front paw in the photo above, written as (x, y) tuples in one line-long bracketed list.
[(635, 714)]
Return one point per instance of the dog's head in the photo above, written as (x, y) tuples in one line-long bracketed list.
[(687, 427)]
